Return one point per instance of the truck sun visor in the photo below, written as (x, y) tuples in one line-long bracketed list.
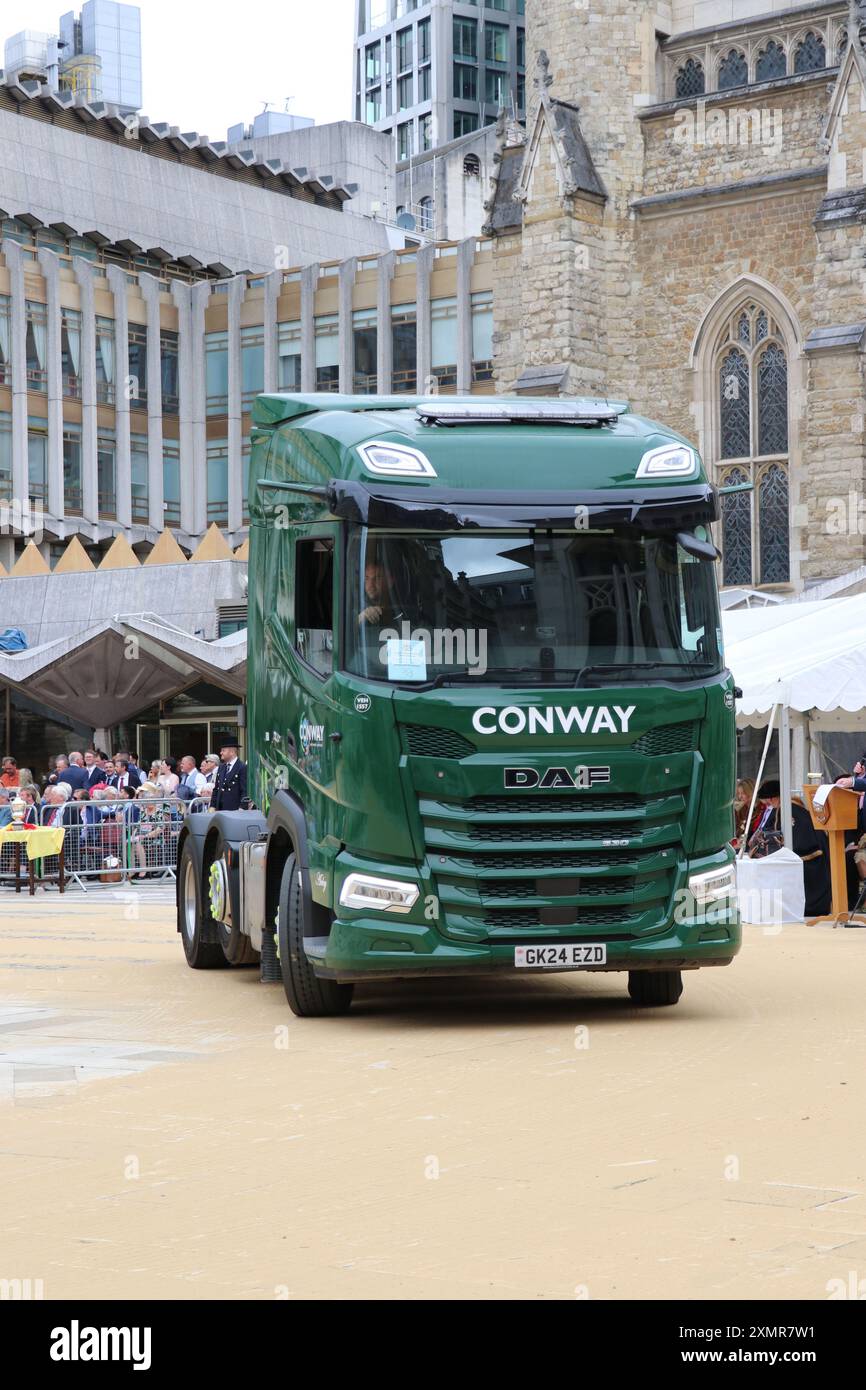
[(646, 509)]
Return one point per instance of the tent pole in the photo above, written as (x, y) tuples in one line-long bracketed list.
[(745, 836), (785, 774), (798, 765)]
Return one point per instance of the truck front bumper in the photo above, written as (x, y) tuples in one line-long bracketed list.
[(367, 947)]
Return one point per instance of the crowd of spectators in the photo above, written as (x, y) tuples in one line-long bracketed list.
[(118, 811)]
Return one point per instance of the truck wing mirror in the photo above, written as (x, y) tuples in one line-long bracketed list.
[(701, 550)]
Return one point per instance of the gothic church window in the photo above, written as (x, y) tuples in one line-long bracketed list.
[(690, 79), (810, 54), (771, 62), (752, 447), (733, 70)]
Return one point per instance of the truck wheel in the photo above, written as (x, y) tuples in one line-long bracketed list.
[(308, 996), (651, 988), (200, 954), (237, 948)]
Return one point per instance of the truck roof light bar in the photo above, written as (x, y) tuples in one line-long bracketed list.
[(581, 412)]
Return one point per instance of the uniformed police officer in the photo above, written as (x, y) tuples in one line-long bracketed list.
[(230, 787)]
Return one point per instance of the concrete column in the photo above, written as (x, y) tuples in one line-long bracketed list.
[(150, 292), (84, 274), (182, 296), (51, 275), (424, 269), (384, 342), (123, 450), (465, 257), (14, 258), (273, 285), (309, 281), (347, 338), (191, 301), (237, 290), (199, 296)]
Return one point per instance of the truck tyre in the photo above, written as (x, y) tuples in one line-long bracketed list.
[(200, 954), (650, 989), (308, 996)]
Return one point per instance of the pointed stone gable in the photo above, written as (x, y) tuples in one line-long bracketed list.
[(243, 551), (844, 133), (214, 546), (120, 556), (30, 563), (556, 140), (74, 560), (502, 209), (166, 551)]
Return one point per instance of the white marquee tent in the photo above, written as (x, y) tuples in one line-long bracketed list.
[(802, 666)]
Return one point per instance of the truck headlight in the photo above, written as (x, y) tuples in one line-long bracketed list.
[(670, 461), (714, 885), (382, 894)]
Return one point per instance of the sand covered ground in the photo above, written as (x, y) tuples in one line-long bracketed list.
[(172, 1134)]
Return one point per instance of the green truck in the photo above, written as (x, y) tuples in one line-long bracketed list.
[(490, 726)]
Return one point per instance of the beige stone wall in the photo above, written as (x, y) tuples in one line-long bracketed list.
[(750, 138), (685, 260), (698, 14), (641, 315)]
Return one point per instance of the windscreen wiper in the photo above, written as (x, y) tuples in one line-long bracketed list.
[(680, 667), (471, 677)]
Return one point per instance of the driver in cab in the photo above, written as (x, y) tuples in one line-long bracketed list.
[(379, 610)]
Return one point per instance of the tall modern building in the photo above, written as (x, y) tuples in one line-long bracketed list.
[(103, 44), (432, 70), (96, 55)]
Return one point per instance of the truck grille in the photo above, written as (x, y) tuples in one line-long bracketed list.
[(667, 739), (426, 741), (556, 866), (556, 804), (551, 832), (587, 916)]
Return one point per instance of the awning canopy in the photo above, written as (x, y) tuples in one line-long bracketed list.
[(111, 671), (808, 657)]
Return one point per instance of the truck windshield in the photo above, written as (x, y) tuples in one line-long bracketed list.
[(551, 607)]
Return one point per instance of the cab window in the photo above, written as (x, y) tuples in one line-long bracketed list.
[(314, 603)]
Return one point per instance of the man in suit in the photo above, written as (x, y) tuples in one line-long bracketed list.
[(96, 775), (124, 774), (230, 787), (58, 808), (75, 774)]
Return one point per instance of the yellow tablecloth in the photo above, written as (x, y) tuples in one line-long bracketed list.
[(39, 841)]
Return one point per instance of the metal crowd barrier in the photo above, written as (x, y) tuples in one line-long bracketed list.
[(118, 840)]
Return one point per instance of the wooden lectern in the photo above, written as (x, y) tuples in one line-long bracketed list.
[(838, 817)]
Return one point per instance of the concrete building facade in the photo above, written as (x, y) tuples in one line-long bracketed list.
[(151, 284)]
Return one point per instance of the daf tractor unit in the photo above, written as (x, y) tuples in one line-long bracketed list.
[(489, 723)]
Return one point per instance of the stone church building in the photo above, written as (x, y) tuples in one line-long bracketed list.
[(683, 223)]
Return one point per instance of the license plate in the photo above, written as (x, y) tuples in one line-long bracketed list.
[(565, 957)]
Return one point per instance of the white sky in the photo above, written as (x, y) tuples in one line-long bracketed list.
[(207, 64)]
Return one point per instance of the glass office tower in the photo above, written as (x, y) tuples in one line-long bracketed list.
[(102, 53)]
